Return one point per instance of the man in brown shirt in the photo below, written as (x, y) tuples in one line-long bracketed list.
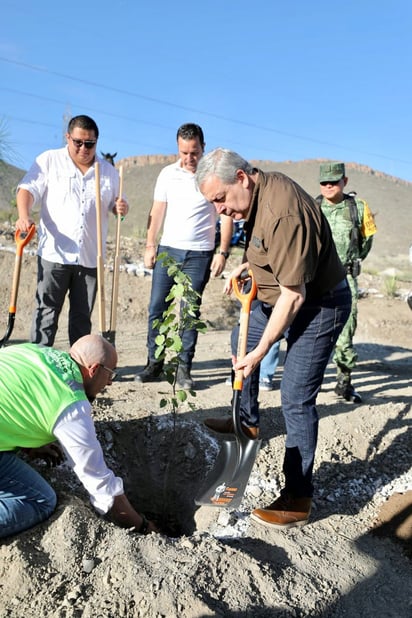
[(305, 296)]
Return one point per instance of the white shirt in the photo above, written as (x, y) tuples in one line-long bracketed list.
[(190, 221), (76, 433), (67, 231)]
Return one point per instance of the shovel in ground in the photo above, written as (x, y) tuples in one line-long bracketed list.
[(226, 482), (21, 241), (111, 333), (100, 261)]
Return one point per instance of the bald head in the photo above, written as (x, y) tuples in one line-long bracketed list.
[(92, 349)]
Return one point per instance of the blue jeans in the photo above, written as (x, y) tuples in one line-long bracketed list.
[(26, 499), (310, 341), (195, 264), (269, 363)]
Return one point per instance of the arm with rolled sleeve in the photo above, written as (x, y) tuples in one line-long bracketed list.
[(76, 433), (219, 259)]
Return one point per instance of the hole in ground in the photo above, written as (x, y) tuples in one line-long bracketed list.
[(163, 464)]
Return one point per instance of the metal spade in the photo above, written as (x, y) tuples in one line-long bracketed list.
[(226, 482)]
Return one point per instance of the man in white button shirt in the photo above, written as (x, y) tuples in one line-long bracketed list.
[(62, 182)]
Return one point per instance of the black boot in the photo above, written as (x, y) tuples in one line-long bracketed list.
[(345, 389), (150, 373), (183, 378)]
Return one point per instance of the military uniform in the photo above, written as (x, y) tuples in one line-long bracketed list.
[(353, 245)]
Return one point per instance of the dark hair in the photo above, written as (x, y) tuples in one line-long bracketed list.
[(190, 131), (83, 122)]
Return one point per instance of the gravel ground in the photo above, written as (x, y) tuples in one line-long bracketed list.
[(352, 559)]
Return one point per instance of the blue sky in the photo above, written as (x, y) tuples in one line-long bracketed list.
[(272, 80)]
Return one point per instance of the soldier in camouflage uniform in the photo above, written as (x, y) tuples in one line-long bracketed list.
[(353, 228)]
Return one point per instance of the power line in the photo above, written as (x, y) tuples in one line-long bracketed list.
[(93, 109), (193, 110)]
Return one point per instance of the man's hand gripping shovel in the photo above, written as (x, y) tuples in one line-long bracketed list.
[(226, 482), (21, 241)]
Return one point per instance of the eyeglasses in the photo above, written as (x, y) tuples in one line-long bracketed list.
[(88, 143), (113, 374), (330, 182)]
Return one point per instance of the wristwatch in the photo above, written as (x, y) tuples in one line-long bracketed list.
[(225, 254)]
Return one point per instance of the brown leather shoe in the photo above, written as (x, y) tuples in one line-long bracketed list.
[(225, 425), (285, 512)]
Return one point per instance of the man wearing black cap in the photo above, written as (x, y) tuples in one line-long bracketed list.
[(353, 228)]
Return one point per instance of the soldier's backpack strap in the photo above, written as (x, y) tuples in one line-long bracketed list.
[(355, 235)]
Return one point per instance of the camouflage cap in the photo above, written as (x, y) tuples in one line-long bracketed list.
[(331, 171)]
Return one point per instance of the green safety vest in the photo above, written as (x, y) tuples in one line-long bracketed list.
[(37, 384)]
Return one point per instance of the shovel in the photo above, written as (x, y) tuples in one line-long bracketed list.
[(226, 482), (111, 333), (21, 241), (100, 262)]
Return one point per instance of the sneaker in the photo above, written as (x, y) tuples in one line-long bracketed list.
[(347, 392), (285, 512), (150, 373), (266, 385), (184, 379)]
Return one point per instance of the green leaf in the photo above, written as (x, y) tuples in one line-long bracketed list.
[(181, 395), (179, 290), (175, 403), (177, 345)]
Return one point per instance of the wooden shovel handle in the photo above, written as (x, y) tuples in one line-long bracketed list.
[(116, 266), (22, 239), (100, 262)]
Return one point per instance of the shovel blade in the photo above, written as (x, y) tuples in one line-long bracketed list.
[(226, 482), (9, 330)]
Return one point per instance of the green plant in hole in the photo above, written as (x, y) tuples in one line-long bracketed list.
[(180, 315)]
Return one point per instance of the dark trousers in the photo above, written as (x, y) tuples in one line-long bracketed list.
[(54, 281)]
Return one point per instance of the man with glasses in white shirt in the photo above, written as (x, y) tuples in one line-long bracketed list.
[(62, 182)]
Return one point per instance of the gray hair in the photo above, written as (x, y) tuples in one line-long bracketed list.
[(223, 164)]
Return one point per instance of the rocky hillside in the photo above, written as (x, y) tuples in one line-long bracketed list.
[(389, 199), (9, 177)]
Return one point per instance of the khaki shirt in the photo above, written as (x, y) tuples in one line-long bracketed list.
[(289, 241)]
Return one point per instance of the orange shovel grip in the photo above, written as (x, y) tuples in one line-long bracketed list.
[(22, 241), (245, 299)]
